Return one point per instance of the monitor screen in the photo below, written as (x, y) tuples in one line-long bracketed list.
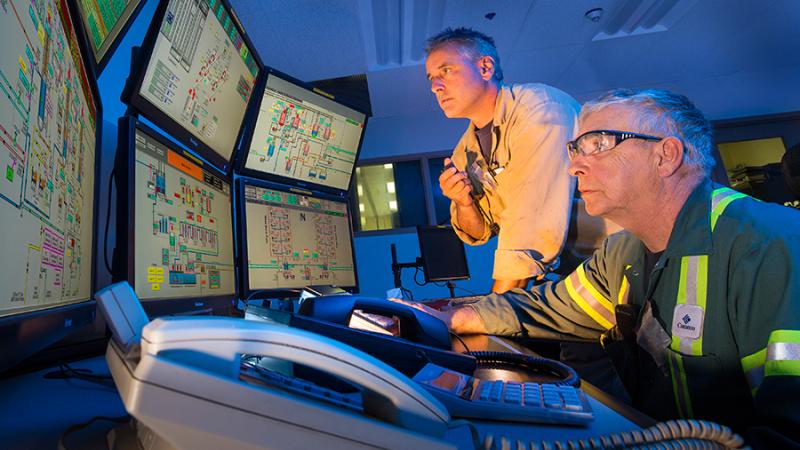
[(178, 222), (303, 136), (292, 238), (50, 132), (442, 253), (198, 72), (105, 22)]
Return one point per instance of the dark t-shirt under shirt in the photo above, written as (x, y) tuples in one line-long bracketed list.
[(484, 136)]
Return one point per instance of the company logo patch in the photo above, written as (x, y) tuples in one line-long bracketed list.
[(687, 321)]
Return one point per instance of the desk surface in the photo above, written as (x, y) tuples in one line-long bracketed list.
[(36, 411)]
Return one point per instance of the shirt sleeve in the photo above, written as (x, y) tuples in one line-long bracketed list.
[(536, 190), (766, 290), (580, 305)]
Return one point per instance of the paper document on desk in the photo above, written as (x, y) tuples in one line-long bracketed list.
[(372, 322)]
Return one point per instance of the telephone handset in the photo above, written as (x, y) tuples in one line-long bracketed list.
[(388, 394), (414, 325), (184, 384)]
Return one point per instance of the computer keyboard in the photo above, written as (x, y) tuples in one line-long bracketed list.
[(470, 397)]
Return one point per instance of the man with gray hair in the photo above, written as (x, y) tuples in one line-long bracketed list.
[(507, 175), (698, 300)]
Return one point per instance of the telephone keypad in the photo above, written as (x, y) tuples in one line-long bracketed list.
[(528, 394), (473, 398)]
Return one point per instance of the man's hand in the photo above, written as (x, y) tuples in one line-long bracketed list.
[(460, 320), (455, 184), (443, 315)]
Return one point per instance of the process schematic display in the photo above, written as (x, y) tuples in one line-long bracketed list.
[(201, 73), (47, 159), (295, 240), (183, 229), (302, 135)]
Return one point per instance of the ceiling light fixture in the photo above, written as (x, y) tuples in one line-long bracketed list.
[(594, 14)]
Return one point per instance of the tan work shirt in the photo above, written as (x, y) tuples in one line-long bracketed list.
[(529, 195)]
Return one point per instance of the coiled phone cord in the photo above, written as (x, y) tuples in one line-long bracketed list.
[(673, 434), (566, 374)]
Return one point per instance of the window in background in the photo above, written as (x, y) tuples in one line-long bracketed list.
[(753, 167), (389, 195), (441, 204)]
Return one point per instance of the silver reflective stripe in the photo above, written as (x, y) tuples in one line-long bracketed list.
[(691, 280), (783, 351), (719, 195)]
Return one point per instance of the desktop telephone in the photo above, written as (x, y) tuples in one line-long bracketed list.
[(198, 383)]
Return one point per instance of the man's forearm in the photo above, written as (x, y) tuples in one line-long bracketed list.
[(501, 286), (465, 320), (470, 220)]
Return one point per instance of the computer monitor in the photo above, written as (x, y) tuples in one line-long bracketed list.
[(442, 253), (175, 225), (302, 136), (198, 71), (290, 238), (50, 130), (104, 24)]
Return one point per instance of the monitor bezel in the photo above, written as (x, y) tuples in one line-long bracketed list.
[(241, 237), (52, 323), (421, 229), (96, 65), (144, 107), (240, 161), (126, 232)]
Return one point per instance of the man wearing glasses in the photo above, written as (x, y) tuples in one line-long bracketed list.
[(698, 300), (507, 175)]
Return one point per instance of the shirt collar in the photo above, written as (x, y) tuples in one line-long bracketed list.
[(501, 105), (691, 234)]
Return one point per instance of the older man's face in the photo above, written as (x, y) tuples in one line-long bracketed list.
[(613, 182)]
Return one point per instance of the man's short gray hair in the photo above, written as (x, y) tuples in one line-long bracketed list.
[(664, 113), (473, 44)]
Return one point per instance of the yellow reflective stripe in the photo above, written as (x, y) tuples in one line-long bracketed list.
[(702, 280), (702, 297), (753, 367), (755, 360), (597, 312), (604, 302), (720, 199), (675, 343), (782, 367), (680, 388), (622, 297), (785, 336)]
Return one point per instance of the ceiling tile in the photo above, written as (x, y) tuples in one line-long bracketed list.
[(545, 65), (312, 39)]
